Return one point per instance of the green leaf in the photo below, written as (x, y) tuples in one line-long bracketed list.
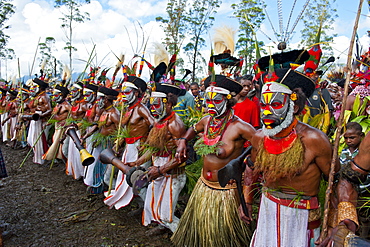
[(356, 105)]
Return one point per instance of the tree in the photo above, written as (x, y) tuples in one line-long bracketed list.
[(6, 10), (199, 19), (250, 16), (319, 11), (71, 16), (46, 49), (7, 54), (174, 26)]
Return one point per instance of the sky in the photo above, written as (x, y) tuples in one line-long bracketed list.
[(112, 27)]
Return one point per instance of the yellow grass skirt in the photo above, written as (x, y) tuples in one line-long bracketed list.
[(211, 219)]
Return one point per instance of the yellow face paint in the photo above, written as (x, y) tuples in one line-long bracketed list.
[(267, 97), (211, 95)]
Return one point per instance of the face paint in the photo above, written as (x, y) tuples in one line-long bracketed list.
[(34, 90), (216, 103), (89, 96), (128, 95), (76, 93), (274, 108), (157, 107), (101, 101), (57, 97)]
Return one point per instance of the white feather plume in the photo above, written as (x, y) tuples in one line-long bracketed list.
[(43, 64), (66, 74), (160, 54), (223, 39), (14, 82)]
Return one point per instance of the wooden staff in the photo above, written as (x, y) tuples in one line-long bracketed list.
[(118, 140), (339, 129)]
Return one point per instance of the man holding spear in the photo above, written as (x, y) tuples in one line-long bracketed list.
[(40, 105)]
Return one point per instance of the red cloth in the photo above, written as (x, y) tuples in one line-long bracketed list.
[(248, 112)]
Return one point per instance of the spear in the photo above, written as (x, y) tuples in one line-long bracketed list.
[(339, 129), (34, 57)]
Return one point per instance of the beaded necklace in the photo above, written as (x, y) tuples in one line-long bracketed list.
[(216, 127)]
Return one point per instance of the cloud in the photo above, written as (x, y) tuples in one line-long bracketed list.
[(137, 9)]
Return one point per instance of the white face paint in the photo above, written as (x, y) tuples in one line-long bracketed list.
[(76, 93), (216, 103), (101, 101), (89, 96), (57, 96), (128, 95), (157, 107)]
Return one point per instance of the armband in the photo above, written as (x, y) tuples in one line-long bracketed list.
[(347, 210), (354, 177), (182, 138), (359, 167)]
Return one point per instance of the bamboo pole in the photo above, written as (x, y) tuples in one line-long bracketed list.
[(118, 141), (324, 230)]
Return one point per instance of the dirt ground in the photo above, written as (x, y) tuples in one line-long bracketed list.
[(45, 207)]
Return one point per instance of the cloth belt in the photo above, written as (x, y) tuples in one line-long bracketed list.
[(311, 203)]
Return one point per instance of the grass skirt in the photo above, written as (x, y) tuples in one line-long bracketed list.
[(211, 219)]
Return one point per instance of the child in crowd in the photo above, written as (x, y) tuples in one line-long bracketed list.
[(353, 137)]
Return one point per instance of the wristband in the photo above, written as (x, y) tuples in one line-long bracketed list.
[(159, 171), (182, 138)]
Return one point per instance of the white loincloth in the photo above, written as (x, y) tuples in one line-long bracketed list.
[(122, 195), (161, 198), (12, 131), (74, 165), (5, 127), (292, 226), (35, 139)]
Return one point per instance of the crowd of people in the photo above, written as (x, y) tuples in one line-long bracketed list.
[(134, 140)]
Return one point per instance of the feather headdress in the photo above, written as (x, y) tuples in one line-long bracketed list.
[(223, 39), (66, 74), (121, 59), (160, 54)]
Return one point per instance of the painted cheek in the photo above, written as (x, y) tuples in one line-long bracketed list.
[(266, 112)]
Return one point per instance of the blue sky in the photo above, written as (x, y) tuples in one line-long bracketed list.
[(38, 19)]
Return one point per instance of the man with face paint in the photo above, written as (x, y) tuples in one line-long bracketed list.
[(87, 124), (39, 104), (23, 100), (12, 110), (211, 215), (166, 177), (291, 157), (78, 110), (4, 114), (60, 113), (137, 120), (92, 110), (105, 125)]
